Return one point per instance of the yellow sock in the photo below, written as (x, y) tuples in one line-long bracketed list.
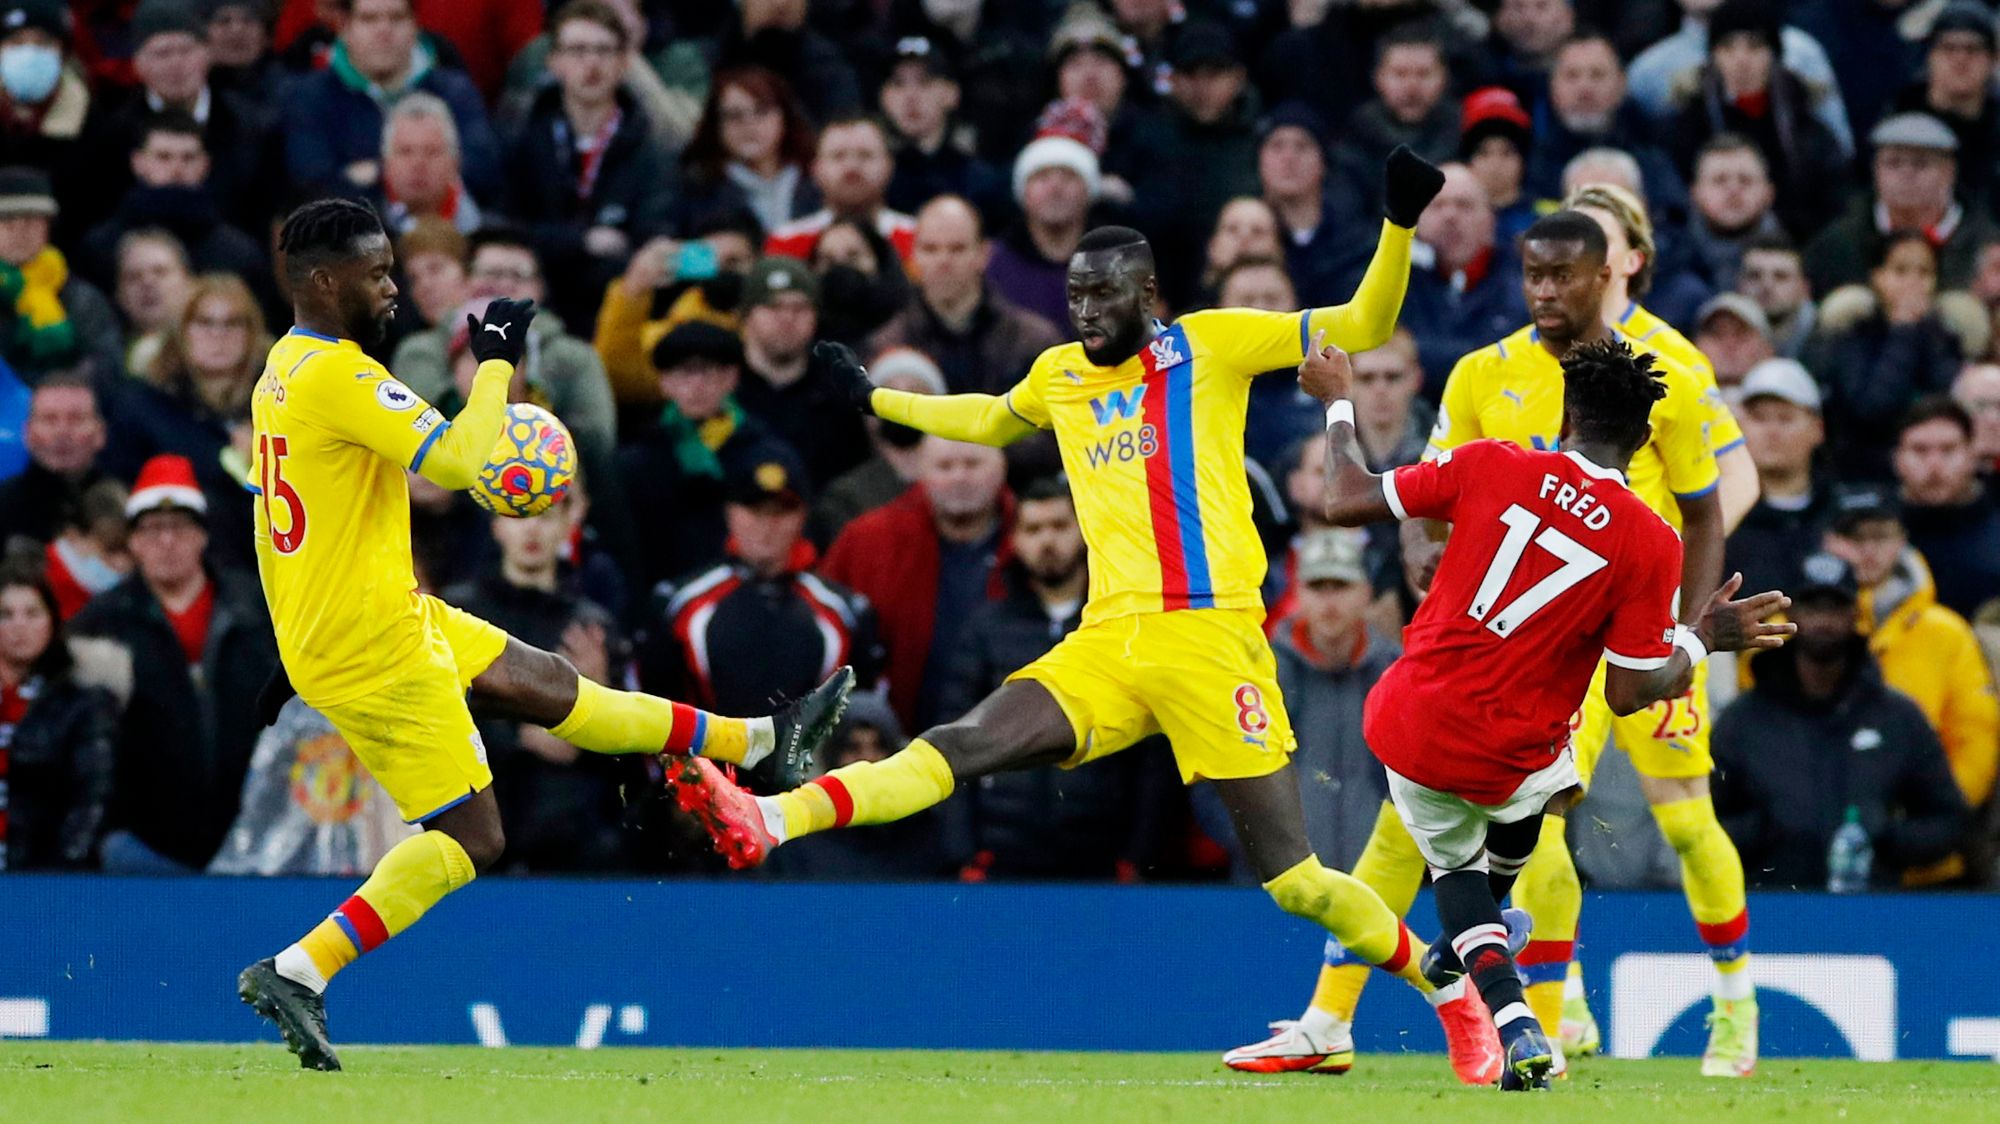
[(1549, 890), (1390, 866), (869, 791), (605, 720), (1354, 914), (411, 878), (1712, 877)]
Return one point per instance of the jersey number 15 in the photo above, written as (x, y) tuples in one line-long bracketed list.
[(271, 452), (1578, 563)]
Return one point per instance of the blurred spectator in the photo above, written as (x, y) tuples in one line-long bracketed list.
[(926, 560), (51, 318), (1772, 273), (1465, 287), (58, 707), (1742, 89), (893, 468), (64, 434), (1733, 196), (796, 400), (1603, 166), (153, 281), (1977, 389), (851, 168), (90, 552), (1915, 166), (1640, 271), (1925, 650), (675, 471), (1211, 128), (668, 283), (980, 340), (1873, 46), (589, 179), (773, 34), (1049, 823), (920, 100), (1523, 44), (421, 167), (1279, 413), (202, 648), (751, 150), (44, 102), (1328, 661), (1779, 408), (560, 807), (333, 119), (239, 51), (484, 34), (1056, 179), (1494, 143), (1950, 514), (1588, 108), (1246, 227), (665, 75), (1410, 107), (171, 57), (1955, 85), (310, 808), (1820, 738), (1326, 56), (1879, 349), (758, 624), (861, 281), (1317, 217), (172, 190), (1731, 330), (1673, 65), (432, 254), (1093, 67)]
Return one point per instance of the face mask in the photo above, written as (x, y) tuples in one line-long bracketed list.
[(723, 291), (30, 71)]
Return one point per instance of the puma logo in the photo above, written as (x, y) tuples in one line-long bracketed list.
[(500, 329)]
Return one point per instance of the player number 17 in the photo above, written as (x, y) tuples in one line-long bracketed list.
[(1578, 563)]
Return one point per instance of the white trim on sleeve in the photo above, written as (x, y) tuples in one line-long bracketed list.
[(1389, 494), (1634, 663)]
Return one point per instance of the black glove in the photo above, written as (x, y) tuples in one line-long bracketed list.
[(272, 697), (503, 334), (844, 368), (1408, 185)]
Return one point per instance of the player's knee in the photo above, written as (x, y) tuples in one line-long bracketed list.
[(483, 844), (1303, 891), (967, 747)]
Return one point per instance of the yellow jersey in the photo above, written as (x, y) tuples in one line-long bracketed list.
[(1513, 390), (1154, 451), (1661, 338), (333, 434)]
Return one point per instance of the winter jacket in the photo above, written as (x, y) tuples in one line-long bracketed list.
[(892, 557), (1789, 767), (989, 357), (813, 416), (185, 740), (1556, 144), (632, 193), (1450, 322), (334, 118), (1372, 133), (1978, 141), (196, 217), (1201, 167), (1808, 164), (852, 494), (1839, 254), (1872, 370), (676, 511), (628, 326), (1018, 271), (59, 760), (1961, 542), (31, 504), (1769, 544), (1341, 780), (246, 172), (814, 65)]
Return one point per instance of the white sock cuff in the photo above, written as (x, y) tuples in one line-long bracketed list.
[(1472, 938), (1500, 864), (295, 965), (1731, 986), (1451, 992), (1322, 1024), (1511, 1012), (774, 818)]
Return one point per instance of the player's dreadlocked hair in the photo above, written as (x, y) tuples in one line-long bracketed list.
[(321, 230), (1608, 393)]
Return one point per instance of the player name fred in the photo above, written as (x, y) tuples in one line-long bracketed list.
[(1582, 504)]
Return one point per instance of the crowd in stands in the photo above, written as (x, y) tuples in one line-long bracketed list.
[(695, 191)]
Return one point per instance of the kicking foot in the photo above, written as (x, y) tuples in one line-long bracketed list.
[(298, 1011), (1293, 1049), (1530, 1059), (1732, 1039), (1442, 971), (728, 813), (1470, 1040), (802, 725)]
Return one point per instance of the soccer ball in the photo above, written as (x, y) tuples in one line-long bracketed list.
[(531, 468)]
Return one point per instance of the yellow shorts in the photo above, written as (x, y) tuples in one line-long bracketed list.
[(416, 735), (1203, 677), (1668, 740)]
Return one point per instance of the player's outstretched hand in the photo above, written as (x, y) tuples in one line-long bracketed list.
[(503, 333), (1736, 626), (1409, 184), (1326, 371), (844, 368)]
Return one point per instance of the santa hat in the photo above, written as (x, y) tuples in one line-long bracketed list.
[(1056, 151), (166, 483)]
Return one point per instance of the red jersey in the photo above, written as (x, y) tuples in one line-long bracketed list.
[(1553, 563)]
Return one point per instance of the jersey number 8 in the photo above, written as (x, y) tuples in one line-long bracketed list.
[(271, 463)]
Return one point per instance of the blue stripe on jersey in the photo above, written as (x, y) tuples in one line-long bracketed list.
[(252, 488), (346, 926), (310, 334), (1305, 334), (1187, 496), (423, 450), (1728, 447), (1698, 495)]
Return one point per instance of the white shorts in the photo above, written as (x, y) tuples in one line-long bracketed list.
[(1450, 831)]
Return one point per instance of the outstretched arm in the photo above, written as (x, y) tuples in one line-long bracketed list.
[(1354, 495), (1724, 626), (455, 451), (1368, 318), (984, 419)]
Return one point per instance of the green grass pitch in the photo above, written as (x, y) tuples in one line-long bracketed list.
[(212, 1084)]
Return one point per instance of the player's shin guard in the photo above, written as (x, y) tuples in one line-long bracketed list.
[(1549, 890), (868, 792), (1471, 918), (605, 720), (1390, 866), (410, 879), (1712, 875), (1354, 914)]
